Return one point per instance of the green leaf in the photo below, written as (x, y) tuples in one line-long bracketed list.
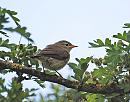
[(3, 19), (126, 25), (40, 82), (100, 42), (98, 72), (12, 15), (78, 60), (104, 75), (95, 98), (80, 68), (84, 63), (16, 20), (85, 60), (97, 43), (16, 85), (108, 42), (75, 68), (78, 72), (121, 36), (3, 33), (4, 43), (93, 45), (22, 31), (72, 65), (9, 12)]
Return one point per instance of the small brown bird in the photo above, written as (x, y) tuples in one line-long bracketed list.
[(55, 56)]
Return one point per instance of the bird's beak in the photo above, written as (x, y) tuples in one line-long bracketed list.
[(72, 46)]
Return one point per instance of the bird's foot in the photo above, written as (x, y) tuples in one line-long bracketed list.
[(58, 73)]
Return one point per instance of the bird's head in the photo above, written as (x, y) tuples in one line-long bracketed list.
[(66, 45)]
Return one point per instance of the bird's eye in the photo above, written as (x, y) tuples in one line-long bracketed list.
[(66, 44)]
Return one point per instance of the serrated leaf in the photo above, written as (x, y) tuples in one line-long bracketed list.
[(78, 72), (74, 67), (121, 36), (85, 60), (84, 63), (99, 72), (22, 31), (97, 43), (12, 15)]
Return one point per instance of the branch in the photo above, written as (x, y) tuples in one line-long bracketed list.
[(90, 88)]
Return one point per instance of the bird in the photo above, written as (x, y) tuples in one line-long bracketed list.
[(55, 56)]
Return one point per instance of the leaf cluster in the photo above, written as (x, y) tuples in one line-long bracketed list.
[(16, 53), (112, 69), (14, 92), (6, 16)]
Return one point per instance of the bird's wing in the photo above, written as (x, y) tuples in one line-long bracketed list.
[(54, 51)]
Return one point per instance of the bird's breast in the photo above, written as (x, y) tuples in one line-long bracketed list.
[(54, 64)]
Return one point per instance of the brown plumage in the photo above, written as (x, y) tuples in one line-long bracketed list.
[(55, 56)]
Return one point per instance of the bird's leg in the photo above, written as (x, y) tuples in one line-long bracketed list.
[(43, 68), (59, 73)]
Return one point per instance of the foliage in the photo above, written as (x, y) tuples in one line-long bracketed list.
[(14, 93), (112, 69), (5, 17), (17, 53)]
